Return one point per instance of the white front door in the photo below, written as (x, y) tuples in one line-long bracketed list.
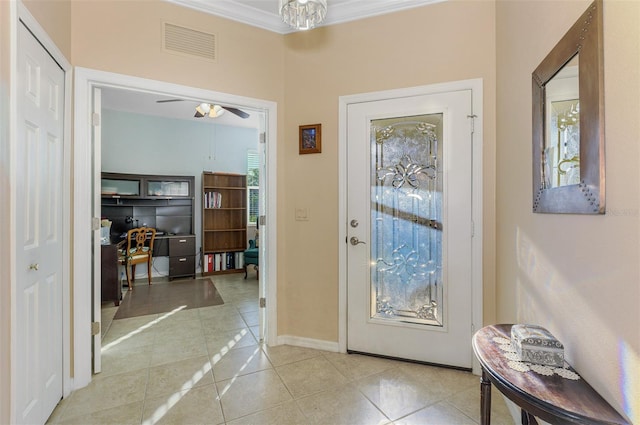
[(409, 228), (39, 234)]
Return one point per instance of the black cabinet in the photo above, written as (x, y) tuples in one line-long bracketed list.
[(182, 256), (165, 203)]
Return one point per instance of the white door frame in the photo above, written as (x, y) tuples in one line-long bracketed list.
[(20, 13), (475, 85), (85, 80)]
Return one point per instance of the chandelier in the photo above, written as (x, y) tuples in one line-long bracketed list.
[(303, 14)]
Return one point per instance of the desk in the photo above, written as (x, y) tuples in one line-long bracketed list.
[(554, 399), (181, 250), (111, 290)]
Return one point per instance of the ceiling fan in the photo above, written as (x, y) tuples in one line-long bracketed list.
[(212, 110)]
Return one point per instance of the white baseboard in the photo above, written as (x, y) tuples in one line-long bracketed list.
[(317, 344)]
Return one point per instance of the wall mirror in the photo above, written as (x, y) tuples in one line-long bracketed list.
[(568, 121)]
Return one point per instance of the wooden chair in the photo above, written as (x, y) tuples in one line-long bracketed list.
[(138, 249)]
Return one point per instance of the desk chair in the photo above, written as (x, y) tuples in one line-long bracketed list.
[(139, 249)]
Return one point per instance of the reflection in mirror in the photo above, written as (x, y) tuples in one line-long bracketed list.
[(562, 133)]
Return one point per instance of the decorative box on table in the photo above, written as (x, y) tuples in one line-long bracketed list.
[(535, 344)]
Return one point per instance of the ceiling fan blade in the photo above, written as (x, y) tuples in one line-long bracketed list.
[(169, 100), (238, 112), (198, 115)]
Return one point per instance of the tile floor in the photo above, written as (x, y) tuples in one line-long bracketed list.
[(205, 366)]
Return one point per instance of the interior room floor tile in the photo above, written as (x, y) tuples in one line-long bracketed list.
[(206, 365)]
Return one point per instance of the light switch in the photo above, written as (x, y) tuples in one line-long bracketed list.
[(302, 214)]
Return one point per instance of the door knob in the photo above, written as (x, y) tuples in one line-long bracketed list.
[(354, 223), (355, 241)]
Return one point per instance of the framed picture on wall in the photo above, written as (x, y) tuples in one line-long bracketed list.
[(310, 138)]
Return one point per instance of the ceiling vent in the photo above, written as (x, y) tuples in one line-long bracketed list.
[(189, 42)]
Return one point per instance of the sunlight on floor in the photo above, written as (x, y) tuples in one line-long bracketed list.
[(123, 338), (191, 383)]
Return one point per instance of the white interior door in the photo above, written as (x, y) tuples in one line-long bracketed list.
[(410, 228), (37, 373)]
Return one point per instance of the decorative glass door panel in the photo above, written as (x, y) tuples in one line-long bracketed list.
[(406, 220)]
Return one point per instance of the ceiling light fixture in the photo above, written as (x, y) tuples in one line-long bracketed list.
[(208, 109), (303, 14)]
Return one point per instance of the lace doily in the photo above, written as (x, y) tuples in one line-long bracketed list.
[(516, 364)]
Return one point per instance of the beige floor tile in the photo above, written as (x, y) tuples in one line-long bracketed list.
[(355, 366), (310, 376), (441, 413), (444, 381), (285, 354), (217, 311), (175, 377), (238, 362), (251, 318), (107, 392), (251, 393), (341, 405), (213, 325), (128, 414), (287, 413), (122, 358), (168, 352), (134, 338), (229, 340), (396, 393), (469, 403), (179, 332), (194, 406), (247, 306)]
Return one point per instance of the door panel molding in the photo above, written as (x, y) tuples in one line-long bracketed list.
[(475, 85)]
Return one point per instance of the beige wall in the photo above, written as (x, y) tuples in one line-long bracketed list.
[(577, 275), (55, 18), (437, 43)]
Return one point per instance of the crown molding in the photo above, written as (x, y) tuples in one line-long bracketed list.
[(346, 11)]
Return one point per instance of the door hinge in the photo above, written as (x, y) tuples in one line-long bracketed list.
[(95, 328), (95, 119), (263, 137), (473, 121), (95, 223), (263, 220), (263, 302)]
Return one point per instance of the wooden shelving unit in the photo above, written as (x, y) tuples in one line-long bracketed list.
[(224, 222)]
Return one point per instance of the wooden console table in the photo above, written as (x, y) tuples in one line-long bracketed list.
[(554, 399)]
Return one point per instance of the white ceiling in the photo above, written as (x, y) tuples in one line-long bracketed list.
[(264, 13), (259, 13)]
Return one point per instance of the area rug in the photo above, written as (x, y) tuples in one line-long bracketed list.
[(167, 296)]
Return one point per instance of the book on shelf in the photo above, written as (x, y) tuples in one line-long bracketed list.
[(213, 200)]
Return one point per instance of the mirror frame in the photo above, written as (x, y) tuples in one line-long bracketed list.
[(588, 197)]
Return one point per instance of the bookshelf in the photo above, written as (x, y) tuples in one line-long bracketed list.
[(224, 222)]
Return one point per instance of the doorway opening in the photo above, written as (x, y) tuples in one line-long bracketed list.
[(87, 83)]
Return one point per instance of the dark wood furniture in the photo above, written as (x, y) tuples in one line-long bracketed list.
[(182, 256), (165, 203), (111, 290), (224, 220), (554, 399)]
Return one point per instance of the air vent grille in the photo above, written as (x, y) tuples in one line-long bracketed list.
[(187, 41)]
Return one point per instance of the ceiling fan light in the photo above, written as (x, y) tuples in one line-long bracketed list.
[(303, 14), (219, 110), (203, 108)]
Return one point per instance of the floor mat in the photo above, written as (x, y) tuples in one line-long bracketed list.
[(167, 296)]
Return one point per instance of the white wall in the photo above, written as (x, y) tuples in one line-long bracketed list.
[(144, 144)]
